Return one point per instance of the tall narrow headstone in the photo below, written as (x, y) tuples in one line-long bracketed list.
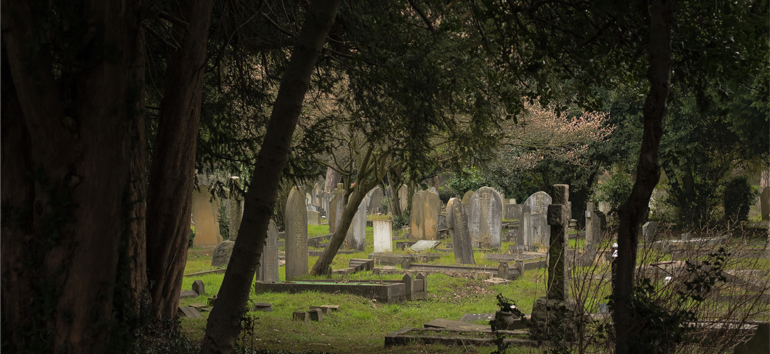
[(467, 198), (526, 231), (764, 204), (403, 197), (648, 231), (538, 204), (458, 229), (205, 216), (425, 209), (296, 234), (558, 218), (355, 238), (318, 195), (375, 197), (234, 210), (590, 237), (383, 236), (327, 198), (268, 264), (336, 206), (485, 222)]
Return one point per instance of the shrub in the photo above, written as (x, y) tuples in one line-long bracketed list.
[(614, 191), (385, 205), (737, 199)]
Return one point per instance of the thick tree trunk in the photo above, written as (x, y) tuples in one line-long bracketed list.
[(648, 171), (67, 170), (332, 178), (173, 161), (225, 320)]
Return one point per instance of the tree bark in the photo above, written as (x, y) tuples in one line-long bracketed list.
[(225, 319), (63, 191), (332, 178), (648, 171), (173, 161)]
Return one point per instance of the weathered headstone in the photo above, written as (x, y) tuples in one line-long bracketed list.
[(538, 202), (355, 238), (434, 190), (222, 254), (383, 236), (423, 245), (313, 217), (458, 229), (648, 230), (425, 209), (268, 264), (441, 222), (375, 198), (486, 217), (539, 231), (199, 287), (205, 216), (526, 231), (558, 274), (513, 212), (318, 195), (467, 198), (296, 234), (327, 198), (403, 197), (336, 206), (764, 204)]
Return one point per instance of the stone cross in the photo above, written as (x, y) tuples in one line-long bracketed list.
[(458, 229), (558, 217), (296, 234)]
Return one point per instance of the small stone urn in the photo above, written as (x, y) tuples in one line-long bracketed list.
[(505, 320)]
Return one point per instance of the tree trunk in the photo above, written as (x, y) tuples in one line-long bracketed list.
[(173, 161), (321, 266), (225, 319), (332, 178), (67, 170), (648, 171)]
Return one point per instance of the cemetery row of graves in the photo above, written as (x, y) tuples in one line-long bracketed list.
[(448, 280)]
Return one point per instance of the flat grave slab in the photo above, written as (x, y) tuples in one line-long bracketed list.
[(471, 317), (187, 293), (453, 337), (317, 253), (395, 258), (384, 291), (508, 257), (457, 325)]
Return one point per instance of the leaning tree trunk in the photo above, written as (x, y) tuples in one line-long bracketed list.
[(321, 266), (648, 171), (173, 161), (66, 159), (225, 319)]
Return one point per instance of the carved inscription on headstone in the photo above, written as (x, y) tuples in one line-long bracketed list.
[(485, 222), (268, 264)]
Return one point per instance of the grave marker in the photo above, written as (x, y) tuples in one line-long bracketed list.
[(336, 206), (424, 218), (458, 230), (222, 254), (403, 197), (205, 217), (296, 234), (313, 217), (383, 236), (375, 198), (486, 217), (268, 264), (558, 274), (648, 230), (513, 212), (356, 235)]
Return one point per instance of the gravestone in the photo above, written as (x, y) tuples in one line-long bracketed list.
[(336, 206), (423, 245), (539, 231), (327, 198), (355, 238), (648, 230), (538, 202), (383, 236), (513, 212), (296, 234), (526, 231), (318, 195), (313, 217), (205, 217), (234, 210), (268, 264), (441, 222), (486, 217), (592, 232), (764, 204), (425, 209), (308, 199), (222, 254), (458, 230), (403, 197), (199, 287), (433, 190), (467, 198), (375, 198)]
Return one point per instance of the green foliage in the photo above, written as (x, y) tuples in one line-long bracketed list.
[(402, 220), (737, 199), (224, 220), (615, 190), (385, 205), (446, 193), (470, 179)]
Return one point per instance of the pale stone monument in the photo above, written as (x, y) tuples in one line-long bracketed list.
[(467, 198), (205, 217), (383, 236), (375, 197), (403, 197), (513, 211), (355, 238), (648, 230), (313, 217), (336, 206), (458, 229), (486, 217), (296, 234), (425, 209), (538, 202)]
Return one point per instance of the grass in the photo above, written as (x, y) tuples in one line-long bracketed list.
[(361, 324)]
